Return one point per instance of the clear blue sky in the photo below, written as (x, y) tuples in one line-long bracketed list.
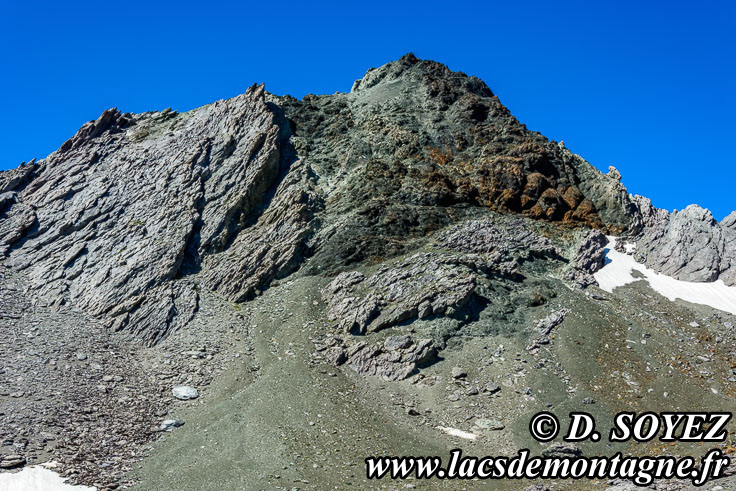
[(649, 87)]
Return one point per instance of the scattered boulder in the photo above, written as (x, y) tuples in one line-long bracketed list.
[(489, 424), (562, 450), (492, 387), (458, 372), (544, 327), (547, 324), (184, 392), (170, 424)]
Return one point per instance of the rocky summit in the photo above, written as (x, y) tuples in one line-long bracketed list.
[(306, 283)]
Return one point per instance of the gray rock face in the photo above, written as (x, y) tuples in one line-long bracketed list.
[(132, 203), (646, 215), (688, 245), (10, 182), (423, 285), (728, 261), (589, 258)]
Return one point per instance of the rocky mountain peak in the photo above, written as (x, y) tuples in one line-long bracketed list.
[(729, 221), (432, 78), (136, 212)]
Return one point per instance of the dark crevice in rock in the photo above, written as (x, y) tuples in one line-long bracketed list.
[(26, 227), (191, 263), (287, 158)]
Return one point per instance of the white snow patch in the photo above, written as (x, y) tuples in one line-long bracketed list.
[(37, 478), (619, 266), (458, 433)]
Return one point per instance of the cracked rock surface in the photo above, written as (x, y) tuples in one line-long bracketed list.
[(136, 212), (422, 286), (113, 219), (395, 359), (689, 244), (589, 258)]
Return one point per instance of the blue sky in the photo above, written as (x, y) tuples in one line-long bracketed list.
[(647, 88)]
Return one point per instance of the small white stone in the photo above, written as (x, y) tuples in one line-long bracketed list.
[(185, 392), (170, 424)]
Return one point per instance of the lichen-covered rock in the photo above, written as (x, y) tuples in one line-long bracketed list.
[(689, 248), (416, 147)]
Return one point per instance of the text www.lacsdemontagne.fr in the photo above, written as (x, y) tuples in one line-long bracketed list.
[(640, 470)]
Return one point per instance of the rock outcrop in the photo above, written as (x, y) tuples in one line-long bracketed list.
[(689, 245), (421, 286), (416, 147), (490, 236), (728, 227), (589, 258), (395, 359), (399, 230)]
